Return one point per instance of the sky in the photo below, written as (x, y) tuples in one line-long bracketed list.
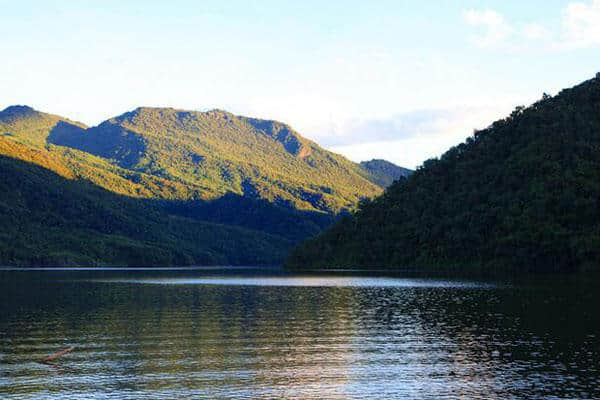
[(400, 80)]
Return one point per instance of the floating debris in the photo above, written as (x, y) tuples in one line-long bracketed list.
[(52, 357)]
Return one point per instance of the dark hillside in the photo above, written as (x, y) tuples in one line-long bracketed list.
[(384, 172), (47, 219), (522, 194)]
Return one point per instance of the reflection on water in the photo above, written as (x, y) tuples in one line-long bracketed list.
[(195, 334), (313, 281)]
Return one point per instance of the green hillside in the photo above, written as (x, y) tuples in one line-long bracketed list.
[(29, 126), (24, 135), (47, 219), (214, 153), (242, 180), (522, 194)]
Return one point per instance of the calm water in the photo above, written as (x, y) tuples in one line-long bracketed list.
[(242, 335)]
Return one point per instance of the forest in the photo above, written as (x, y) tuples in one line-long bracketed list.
[(165, 187), (520, 195)]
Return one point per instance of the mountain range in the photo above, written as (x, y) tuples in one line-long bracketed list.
[(160, 186)]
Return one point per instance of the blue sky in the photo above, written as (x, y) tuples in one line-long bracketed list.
[(401, 80)]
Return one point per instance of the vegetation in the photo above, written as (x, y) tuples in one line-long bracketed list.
[(50, 220), (522, 194), (165, 187), (384, 173), (28, 126), (255, 214), (204, 155)]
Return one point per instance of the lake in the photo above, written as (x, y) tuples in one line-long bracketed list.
[(247, 334)]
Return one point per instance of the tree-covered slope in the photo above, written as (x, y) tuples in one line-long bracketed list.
[(48, 219), (383, 172), (254, 214), (26, 125), (245, 179), (522, 194), (214, 153)]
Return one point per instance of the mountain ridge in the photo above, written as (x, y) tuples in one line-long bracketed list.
[(249, 154), (207, 170), (520, 195), (99, 140)]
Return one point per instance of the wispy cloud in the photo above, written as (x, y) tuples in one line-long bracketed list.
[(420, 123), (496, 29), (409, 138), (581, 24), (579, 27)]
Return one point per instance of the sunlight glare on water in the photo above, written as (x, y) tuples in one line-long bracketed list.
[(296, 281)]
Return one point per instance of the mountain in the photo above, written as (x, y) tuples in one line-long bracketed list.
[(51, 220), (30, 126), (24, 135), (213, 153), (522, 194), (241, 178), (383, 172)]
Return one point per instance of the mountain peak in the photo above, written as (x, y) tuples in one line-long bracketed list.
[(169, 114), (17, 111), (144, 119), (376, 161)]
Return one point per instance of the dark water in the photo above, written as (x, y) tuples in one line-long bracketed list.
[(236, 334)]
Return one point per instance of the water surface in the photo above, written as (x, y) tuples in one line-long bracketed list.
[(241, 334)]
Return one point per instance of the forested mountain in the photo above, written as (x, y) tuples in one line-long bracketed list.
[(384, 173), (215, 152), (29, 126), (522, 194), (50, 220), (195, 173)]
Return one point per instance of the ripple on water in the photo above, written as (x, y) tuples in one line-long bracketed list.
[(145, 336)]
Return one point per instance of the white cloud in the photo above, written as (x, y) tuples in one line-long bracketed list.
[(581, 24), (496, 28), (408, 139), (579, 27), (408, 125)]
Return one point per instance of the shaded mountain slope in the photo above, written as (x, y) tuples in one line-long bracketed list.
[(50, 220), (257, 214), (245, 179), (384, 173), (29, 126), (522, 194), (24, 134)]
